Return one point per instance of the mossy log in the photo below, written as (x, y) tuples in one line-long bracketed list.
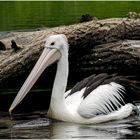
[(96, 46)]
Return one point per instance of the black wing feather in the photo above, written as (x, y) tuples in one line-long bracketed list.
[(132, 90)]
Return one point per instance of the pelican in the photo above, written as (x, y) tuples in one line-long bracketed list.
[(96, 99)]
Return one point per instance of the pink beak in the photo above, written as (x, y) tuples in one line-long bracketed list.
[(47, 57)]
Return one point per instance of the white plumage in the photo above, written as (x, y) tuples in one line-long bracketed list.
[(100, 100)]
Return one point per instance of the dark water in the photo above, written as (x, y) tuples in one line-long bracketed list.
[(16, 15), (36, 125)]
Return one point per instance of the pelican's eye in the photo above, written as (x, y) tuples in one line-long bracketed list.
[(52, 43)]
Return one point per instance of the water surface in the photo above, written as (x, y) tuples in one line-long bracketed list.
[(37, 125)]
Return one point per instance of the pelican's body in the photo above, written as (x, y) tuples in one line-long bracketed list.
[(98, 98)]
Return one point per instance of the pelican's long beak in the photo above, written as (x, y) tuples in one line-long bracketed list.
[(47, 57)]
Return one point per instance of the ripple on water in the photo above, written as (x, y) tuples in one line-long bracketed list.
[(36, 127)]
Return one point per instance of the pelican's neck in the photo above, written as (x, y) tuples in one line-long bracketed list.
[(61, 77), (57, 105)]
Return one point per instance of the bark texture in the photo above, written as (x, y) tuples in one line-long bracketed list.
[(95, 47)]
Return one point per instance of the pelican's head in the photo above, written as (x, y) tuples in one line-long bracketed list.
[(58, 42), (55, 47)]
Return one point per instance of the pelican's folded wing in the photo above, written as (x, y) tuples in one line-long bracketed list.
[(102, 100)]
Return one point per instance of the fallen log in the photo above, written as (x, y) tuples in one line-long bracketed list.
[(121, 57), (87, 55)]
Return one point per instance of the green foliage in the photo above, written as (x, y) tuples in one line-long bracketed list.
[(34, 14)]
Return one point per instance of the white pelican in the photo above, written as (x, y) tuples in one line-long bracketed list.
[(96, 99)]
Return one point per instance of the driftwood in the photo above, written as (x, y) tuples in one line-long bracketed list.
[(87, 55)]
